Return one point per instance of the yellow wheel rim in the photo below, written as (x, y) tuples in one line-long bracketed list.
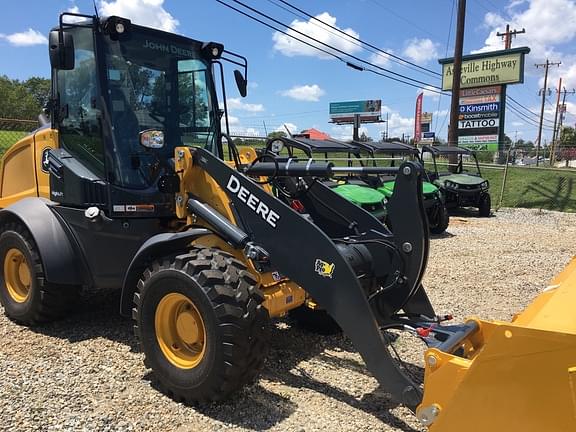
[(180, 331), (17, 276)]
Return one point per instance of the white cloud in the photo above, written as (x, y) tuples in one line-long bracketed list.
[(144, 12), (430, 92), (550, 28), (71, 19), (291, 127), (380, 59), (232, 120), (421, 50), (346, 132), (308, 93), (540, 18), (27, 38), (317, 31), (397, 124), (517, 123), (237, 104)]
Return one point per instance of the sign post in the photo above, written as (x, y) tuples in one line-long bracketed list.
[(356, 113)]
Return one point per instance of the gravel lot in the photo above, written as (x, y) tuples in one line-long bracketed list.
[(84, 373)]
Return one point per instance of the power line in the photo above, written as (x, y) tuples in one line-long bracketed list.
[(510, 98), (519, 114), (330, 46), (413, 24), (429, 86), (546, 67), (374, 48)]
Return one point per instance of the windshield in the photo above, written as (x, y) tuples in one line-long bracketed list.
[(161, 84)]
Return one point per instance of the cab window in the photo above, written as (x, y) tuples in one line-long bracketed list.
[(79, 116)]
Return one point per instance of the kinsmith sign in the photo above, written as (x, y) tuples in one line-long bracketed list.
[(485, 69)]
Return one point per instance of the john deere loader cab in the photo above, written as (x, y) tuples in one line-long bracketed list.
[(347, 185), (132, 96), (463, 186), (393, 154)]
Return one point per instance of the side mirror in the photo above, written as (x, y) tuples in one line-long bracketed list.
[(152, 138), (61, 47), (241, 82)]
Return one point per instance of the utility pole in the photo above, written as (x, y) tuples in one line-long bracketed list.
[(457, 72), (553, 150), (546, 66), (387, 125), (558, 131), (508, 35), (454, 103)]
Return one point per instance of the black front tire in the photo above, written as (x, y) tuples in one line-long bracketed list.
[(236, 324), (440, 220), (35, 300), (484, 205)]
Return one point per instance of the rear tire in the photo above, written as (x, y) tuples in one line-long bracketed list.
[(440, 221), (25, 294), (201, 325), (484, 205), (315, 321)]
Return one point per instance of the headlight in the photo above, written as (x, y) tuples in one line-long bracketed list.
[(276, 146), (485, 185), (451, 185)]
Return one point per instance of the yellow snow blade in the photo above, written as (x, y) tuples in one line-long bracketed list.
[(518, 376)]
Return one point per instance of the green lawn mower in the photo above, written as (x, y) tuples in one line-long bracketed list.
[(438, 218), (464, 187)]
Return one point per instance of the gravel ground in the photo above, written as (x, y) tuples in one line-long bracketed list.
[(84, 373)]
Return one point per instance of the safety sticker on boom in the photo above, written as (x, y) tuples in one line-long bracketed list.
[(324, 269)]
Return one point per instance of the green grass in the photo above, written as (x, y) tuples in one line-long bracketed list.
[(8, 138), (549, 189), (534, 188)]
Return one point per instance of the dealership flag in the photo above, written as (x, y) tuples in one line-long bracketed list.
[(418, 118)]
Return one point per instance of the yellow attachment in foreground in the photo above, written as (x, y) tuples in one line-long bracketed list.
[(518, 376), (17, 275), (180, 331)]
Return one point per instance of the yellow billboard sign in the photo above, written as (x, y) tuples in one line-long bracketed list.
[(486, 69)]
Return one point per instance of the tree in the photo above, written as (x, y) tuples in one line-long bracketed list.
[(39, 89), (16, 101), (277, 134), (365, 138), (568, 137)]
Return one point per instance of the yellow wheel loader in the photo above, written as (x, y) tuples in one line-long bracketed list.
[(127, 187)]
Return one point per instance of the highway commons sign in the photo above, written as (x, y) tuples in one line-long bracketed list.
[(486, 69)]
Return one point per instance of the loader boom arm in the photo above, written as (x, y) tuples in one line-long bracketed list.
[(325, 266)]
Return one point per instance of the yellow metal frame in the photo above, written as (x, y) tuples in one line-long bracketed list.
[(280, 294), (21, 169), (17, 275), (518, 376), (180, 331)]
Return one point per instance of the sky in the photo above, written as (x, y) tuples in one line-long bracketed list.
[(292, 84)]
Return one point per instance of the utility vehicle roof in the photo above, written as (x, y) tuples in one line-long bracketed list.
[(394, 147), (447, 150), (318, 146)]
